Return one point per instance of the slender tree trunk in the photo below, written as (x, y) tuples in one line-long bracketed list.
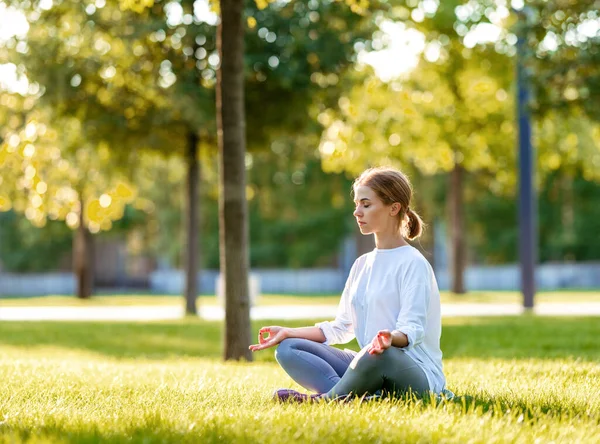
[(191, 259), (567, 218), (457, 230), (83, 258), (231, 127)]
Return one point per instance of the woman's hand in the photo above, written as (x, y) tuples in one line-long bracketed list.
[(381, 342), (274, 336)]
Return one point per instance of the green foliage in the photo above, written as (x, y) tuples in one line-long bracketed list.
[(562, 55), (26, 248), (295, 56), (136, 82), (456, 109), (299, 216), (568, 221)]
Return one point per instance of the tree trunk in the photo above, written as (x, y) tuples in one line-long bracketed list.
[(233, 225), (83, 258), (458, 260), (191, 259)]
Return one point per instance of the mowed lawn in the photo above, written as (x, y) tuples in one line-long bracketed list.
[(518, 379)]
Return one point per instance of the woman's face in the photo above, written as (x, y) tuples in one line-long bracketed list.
[(372, 215)]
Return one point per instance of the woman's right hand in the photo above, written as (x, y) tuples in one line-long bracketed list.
[(275, 335)]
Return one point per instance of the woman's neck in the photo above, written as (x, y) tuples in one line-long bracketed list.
[(387, 242)]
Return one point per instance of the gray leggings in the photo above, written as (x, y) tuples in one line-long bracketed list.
[(325, 369)]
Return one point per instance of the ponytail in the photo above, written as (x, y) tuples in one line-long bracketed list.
[(415, 225)]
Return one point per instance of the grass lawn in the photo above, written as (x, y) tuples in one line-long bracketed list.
[(501, 297), (518, 379)]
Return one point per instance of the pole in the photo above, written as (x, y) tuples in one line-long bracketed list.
[(527, 204)]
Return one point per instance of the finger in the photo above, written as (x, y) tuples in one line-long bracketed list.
[(384, 334), (269, 333), (264, 345), (376, 351), (384, 340), (262, 339), (386, 343)]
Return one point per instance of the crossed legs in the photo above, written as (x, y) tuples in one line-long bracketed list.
[(333, 372)]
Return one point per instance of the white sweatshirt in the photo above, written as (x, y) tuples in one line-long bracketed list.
[(392, 289)]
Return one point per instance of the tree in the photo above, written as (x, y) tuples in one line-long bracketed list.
[(231, 123), (44, 183), (118, 87), (563, 57)]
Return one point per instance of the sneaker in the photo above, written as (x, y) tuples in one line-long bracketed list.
[(289, 395), (445, 395), (375, 397)]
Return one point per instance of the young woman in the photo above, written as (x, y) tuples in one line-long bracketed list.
[(391, 304)]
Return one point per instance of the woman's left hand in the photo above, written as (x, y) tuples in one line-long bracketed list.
[(381, 342)]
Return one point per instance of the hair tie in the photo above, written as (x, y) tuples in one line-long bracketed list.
[(407, 210)]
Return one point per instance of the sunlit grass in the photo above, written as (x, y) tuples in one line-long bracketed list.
[(518, 379), (502, 297)]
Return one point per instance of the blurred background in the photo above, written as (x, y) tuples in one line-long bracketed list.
[(108, 139)]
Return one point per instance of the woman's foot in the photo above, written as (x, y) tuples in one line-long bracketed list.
[(289, 395)]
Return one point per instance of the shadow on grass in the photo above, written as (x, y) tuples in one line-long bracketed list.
[(531, 410), (519, 337), (154, 432)]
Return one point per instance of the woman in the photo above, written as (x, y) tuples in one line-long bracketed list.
[(391, 304)]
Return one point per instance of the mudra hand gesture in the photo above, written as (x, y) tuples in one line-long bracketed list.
[(275, 335), (381, 342)]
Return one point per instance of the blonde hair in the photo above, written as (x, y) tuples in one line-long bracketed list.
[(392, 186)]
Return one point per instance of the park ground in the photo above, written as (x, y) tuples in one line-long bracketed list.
[(117, 299), (517, 379)]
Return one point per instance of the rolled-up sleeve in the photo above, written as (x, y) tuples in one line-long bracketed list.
[(412, 319), (340, 330)]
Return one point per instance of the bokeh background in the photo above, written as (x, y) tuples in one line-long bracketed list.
[(108, 125)]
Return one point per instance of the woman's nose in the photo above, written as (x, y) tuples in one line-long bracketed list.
[(357, 212)]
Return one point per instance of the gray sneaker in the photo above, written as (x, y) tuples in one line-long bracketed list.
[(289, 395), (446, 395)]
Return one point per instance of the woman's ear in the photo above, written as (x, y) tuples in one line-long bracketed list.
[(396, 207)]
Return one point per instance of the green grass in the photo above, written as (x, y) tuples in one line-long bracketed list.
[(518, 379), (507, 297)]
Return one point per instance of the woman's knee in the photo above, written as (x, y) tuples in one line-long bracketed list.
[(286, 348), (364, 361)]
